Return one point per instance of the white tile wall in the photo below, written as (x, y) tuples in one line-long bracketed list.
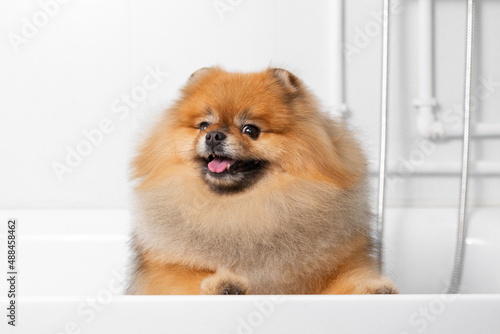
[(72, 72)]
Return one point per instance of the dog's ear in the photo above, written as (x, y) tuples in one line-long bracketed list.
[(286, 78), (200, 73)]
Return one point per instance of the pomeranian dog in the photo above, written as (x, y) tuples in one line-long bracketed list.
[(245, 187)]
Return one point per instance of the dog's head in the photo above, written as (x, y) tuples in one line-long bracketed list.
[(236, 128)]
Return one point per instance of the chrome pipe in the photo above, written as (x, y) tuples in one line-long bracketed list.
[(462, 219), (383, 130)]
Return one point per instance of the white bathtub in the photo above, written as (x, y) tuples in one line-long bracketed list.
[(71, 279)]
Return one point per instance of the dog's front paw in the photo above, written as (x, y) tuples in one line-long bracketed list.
[(224, 283), (229, 288), (378, 286)]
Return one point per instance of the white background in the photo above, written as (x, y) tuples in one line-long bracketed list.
[(65, 78)]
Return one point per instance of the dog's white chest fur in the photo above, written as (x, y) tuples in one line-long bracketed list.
[(276, 239)]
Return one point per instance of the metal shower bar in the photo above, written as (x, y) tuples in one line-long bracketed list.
[(458, 264), (383, 129), (462, 225)]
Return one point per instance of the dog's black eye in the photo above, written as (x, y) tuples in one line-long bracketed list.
[(204, 125), (251, 130)]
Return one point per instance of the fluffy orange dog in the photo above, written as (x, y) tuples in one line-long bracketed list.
[(246, 188)]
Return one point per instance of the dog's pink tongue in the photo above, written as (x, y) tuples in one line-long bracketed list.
[(218, 165)]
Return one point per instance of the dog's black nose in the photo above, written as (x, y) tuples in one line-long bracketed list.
[(214, 138)]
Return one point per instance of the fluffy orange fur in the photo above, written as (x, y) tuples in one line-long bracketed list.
[(301, 227), (299, 139)]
